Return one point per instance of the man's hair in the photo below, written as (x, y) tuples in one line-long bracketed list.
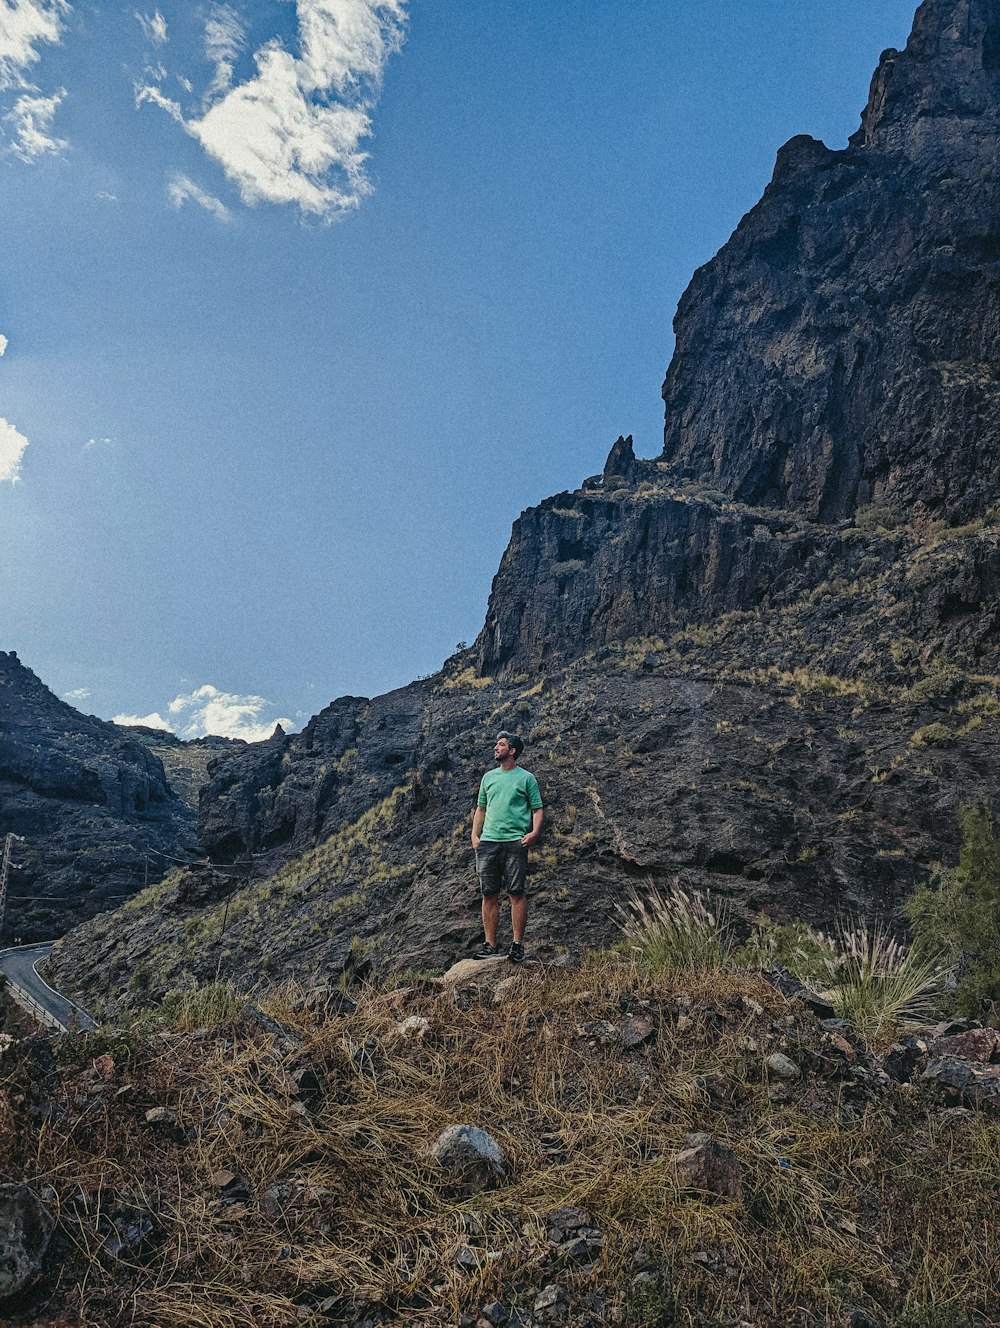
[(512, 741)]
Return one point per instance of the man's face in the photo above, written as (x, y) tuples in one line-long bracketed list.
[(503, 749)]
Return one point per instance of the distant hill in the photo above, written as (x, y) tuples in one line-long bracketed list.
[(92, 802), (767, 661)]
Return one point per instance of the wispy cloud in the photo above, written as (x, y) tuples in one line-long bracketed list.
[(77, 694), (154, 27), (293, 132), (96, 442), (106, 197), (225, 38), (24, 26), (12, 445), (182, 189), (30, 120), (4, 343)]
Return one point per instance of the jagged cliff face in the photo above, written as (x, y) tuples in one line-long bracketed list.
[(843, 347), (837, 368), (92, 803), (767, 661)]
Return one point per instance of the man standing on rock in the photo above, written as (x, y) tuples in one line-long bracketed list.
[(507, 820)]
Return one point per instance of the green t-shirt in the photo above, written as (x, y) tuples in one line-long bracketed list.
[(509, 796)]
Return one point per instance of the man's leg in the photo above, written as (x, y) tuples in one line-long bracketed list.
[(515, 879), (518, 915), (491, 917)]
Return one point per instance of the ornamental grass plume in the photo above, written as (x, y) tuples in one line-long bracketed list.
[(876, 982), (674, 930)]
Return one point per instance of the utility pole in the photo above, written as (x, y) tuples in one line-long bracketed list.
[(10, 840)]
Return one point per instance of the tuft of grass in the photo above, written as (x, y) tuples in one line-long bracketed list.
[(673, 930)]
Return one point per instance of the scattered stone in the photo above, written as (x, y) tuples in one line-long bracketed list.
[(707, 1165), (161, 1116), (783, 1066), (466, 1258), (550, 1304), (413, 1028), (562, 1222), (230, 1186), (780, 978), (282, 1034), (599, 1030), (860, 1318), (469, 1155), (495, 1314), (981, 1045), (104, 1066), (949, 1026), (903, 1058), (978, 1085), (25, 1228), (635, 1030)]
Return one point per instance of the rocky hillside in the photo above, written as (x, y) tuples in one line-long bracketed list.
[(767, 661), (93, 804), (571, 1146)]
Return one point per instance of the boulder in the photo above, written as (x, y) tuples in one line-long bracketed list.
[(707, 1165), (25, 1229), (469, 1156)]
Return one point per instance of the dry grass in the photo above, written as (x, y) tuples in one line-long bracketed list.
[(849, 1199)]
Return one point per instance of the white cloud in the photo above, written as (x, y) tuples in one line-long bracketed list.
[(106, 197), (154, 27), (224, 40), (31, 119), (292, 132), (149, 92), (12, 445), (4, 343), (181, 189), (207, 710), (24, 25), (94, 442), (77, 694), (153, 721)]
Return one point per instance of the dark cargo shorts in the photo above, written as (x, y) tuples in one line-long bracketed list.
[(502, 865)]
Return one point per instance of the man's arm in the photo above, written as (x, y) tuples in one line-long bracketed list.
[(537, 817), (479, 816)]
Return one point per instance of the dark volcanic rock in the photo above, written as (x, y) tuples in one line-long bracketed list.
[(92, 803), (842, 346), (764, 663)]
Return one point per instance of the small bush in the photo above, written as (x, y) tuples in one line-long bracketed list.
[(957, 917), (877, 983), (672, 931), (932, 735)]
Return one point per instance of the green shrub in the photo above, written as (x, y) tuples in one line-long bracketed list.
[(794, 945), (871, 979), (878, 984), (671, 931), (957, 916)]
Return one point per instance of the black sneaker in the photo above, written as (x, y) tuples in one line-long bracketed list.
[(487, 951), (516, 952)]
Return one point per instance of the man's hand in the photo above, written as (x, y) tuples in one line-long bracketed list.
[(478, 821), (537, 817)]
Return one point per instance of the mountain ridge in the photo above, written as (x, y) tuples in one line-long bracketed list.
[(766, 662)]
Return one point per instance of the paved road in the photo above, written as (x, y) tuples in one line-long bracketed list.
[(19, 964)]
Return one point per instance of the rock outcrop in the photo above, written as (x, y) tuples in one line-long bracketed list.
[(93, 805), (767, 661)]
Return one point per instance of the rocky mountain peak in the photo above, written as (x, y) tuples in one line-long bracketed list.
[(840, 350), (946, 77)]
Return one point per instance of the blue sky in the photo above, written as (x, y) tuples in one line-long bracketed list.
[(301, 304)]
